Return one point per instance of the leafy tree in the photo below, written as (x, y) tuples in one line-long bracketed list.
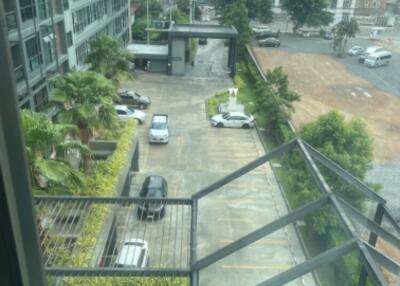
[(346, 143), (155, 8), (275, 98), (108, 57), (46, 147), (265, 12), (253, 7), (307, 12), (342, 31), (236, 14), (85, 100)]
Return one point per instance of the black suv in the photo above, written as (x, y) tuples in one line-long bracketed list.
[(154, 187), (132, 98)]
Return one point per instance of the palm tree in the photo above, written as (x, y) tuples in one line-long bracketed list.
[(46, 147), (86, 101), (342, 31), (108, 57)]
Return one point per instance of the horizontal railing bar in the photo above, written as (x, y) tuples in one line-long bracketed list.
[(114, 200)]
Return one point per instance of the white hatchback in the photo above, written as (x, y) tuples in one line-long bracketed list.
[(134, 253), (233, 119)]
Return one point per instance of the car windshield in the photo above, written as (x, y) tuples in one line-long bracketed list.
[(226, 115), (131, 110), (134, 243), (159, 125), (154, 193)]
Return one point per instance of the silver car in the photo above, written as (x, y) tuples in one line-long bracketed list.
[(233, 119), (133, 254), (126, 112)]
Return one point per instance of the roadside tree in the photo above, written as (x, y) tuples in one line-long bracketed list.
[(47, 147), (342, 31), (312, 13), (275, 98), (108, 57), (346, 143), (236, 14), (265, 12)]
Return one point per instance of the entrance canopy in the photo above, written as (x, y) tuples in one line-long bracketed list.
[(203, 31)]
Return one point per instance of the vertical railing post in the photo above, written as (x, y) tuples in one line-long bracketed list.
[(373, 237)]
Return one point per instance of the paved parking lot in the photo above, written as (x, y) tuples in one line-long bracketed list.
[(195, 157)]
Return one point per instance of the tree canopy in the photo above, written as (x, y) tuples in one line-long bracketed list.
[(236, 14), (341, 32), (312, 13), (275, 98), (108, 57), (345, 142), (47, 146)]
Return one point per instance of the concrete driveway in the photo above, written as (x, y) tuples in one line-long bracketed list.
[(195, 157)]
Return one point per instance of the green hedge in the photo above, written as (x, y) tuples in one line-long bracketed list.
[(214, 101)]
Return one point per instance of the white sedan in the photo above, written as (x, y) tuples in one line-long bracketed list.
[(233, 119), (125, 112), (355, 51), (133, 254)]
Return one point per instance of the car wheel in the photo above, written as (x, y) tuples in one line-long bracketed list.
[(219, 124), (279, 45), (246, 126), (138, 121)]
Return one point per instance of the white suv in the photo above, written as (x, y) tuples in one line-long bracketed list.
[(233, 119), (159, 132)]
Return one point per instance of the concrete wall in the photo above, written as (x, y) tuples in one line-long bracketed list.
[(178, 56)]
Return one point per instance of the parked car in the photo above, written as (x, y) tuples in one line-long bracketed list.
[(233, 119), (203, 41), (125, 112), (378, 59), (269, 42), (328, 36), (130, 97), (267, 34), (155, 187), (355, 51), (369, 51), (159, 132), (133, 254)]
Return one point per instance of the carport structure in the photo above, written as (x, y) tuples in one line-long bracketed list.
[(176, 253), (179, 33)]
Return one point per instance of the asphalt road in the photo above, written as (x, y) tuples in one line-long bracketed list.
[(196, 156), (385, 78)]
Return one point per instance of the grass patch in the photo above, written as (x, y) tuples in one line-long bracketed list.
[(214, 101)]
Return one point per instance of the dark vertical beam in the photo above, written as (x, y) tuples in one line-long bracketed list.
[(16, 188), (194, 275), (234, 56), (373, 237), (135, 158), (229, 52)]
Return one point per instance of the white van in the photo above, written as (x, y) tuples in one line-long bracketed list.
[(369, 51), (378, 59)]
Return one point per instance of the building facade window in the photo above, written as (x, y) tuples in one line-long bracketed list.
[(65, 5), (81, 53), (41, 99), (28, 10), (333, 4), (88, 15), (70, 40), (347, 4), (34, 54)]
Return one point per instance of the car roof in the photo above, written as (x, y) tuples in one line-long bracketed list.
[(237, 113), (380, 53), (130, 252), (154, 181), (121, 107), (161, 118)]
